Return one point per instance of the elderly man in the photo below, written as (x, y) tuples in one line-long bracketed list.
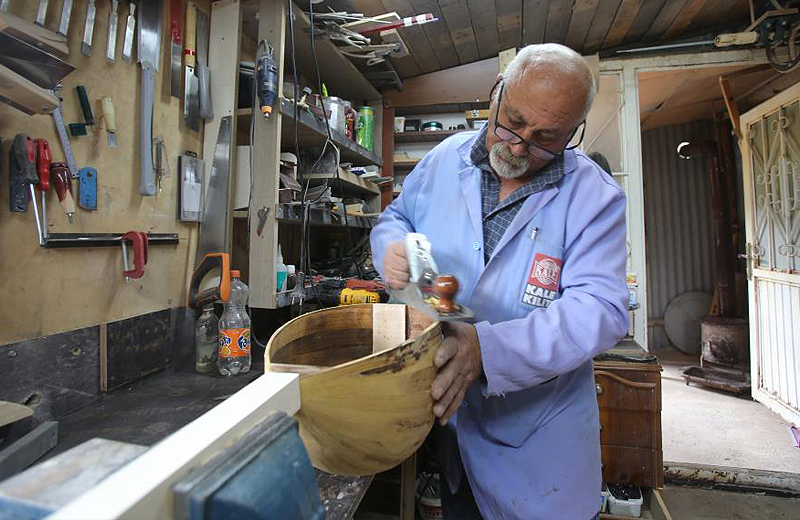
[(535, 233)]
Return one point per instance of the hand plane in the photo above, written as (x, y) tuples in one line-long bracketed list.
[(427, 291)]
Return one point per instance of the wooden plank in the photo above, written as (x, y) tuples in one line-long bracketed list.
[(534, 20), (12, 412), (582, 15), (440, 38), (264, 188), (387, 154), (423, 136), (388, 326), (626, 14), (143, 488), (24, 94), (418, 43), (666, 16), (509, 23), (504, 58), (684, 19), (644, 19), (463, 84), (408, 476), (733, 109), (137, 346), (484, 24), (558, 16), (656, 505), (40, 37), (603, 17), (461, 29), (27, 450)]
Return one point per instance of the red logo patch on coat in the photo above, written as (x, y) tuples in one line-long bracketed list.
[(545, 272)]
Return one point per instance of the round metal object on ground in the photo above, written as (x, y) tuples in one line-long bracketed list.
[(682, 320)]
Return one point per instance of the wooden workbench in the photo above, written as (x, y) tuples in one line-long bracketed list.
[(152, 408)]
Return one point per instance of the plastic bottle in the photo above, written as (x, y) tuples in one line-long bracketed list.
[(281, 272), (234, 331), (206, 340)]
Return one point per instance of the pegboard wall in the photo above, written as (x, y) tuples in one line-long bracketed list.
[(46, 291)]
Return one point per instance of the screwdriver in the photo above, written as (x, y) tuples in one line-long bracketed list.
[(63, 184), (23, 166)]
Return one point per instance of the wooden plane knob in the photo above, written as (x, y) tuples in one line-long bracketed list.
[(445, 288)]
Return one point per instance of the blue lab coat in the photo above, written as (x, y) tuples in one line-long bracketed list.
[(551, 297)]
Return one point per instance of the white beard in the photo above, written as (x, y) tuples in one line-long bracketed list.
[(506, 164)]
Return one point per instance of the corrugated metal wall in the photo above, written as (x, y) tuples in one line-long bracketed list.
[(680, 248)]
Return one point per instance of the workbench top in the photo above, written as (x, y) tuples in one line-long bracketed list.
[(150, 409)]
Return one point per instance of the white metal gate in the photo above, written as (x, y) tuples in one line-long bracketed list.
[(771, 158)]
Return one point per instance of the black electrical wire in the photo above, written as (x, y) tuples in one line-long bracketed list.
[(328, 129)]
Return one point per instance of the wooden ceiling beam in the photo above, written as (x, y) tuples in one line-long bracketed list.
[(666, 16), (534, 20), (685, 18), (558, 16), (626, 14), (484, 24), (509, 23), (644, 19), (582, 14), (468, 83), (459, 24), (438, 34), (603, 17)]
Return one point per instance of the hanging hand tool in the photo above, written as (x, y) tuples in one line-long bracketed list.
[(139, 239), (3, 5), (76, 129), (266, 79), (63, 24), (64, 139), (113, 20), (204, 76), (43, 159), (176, 48), (62, 182), (87, 188), (35, 53), (41, 14), (130, 27), (149, 57), (88, 29), (192, 171), (191, 103), (213, 238), (111, 125), (22, 174)]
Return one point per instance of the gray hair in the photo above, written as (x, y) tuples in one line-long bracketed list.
[(563, 58)]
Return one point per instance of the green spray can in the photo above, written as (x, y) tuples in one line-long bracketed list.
[(366, 128)]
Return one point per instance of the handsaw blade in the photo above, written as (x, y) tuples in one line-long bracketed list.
[(176, 47), (203, 74), (191, 101), (149, 34), (214, 227), (130, 27)]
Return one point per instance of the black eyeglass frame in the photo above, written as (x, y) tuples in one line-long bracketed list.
[(531, 147)]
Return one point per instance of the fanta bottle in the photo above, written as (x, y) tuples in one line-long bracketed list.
[(234, 331)]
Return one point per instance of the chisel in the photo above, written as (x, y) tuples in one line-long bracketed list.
[(191, 103), (88, 29), (111, 48), (66, 10), (127, 44), (111, 126), (41, 13), (176, 48)]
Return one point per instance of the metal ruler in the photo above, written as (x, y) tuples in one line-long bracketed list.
[(64, 138)]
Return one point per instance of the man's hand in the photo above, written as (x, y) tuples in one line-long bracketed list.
[(458, 362), (395, 265)]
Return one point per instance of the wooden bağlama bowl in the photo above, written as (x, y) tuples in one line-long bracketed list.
[(361, 412)]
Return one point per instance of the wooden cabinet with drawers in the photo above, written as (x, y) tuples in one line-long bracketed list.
[(629, 399)]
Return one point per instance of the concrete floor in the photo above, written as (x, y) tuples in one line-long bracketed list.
[(689, 503), (710, 427)]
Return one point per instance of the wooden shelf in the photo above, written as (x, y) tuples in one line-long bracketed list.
[(352, 184), (312, 132), (433, 136), (406, 165), (319, 218)]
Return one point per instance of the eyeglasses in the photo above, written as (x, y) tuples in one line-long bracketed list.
[(540, 152)]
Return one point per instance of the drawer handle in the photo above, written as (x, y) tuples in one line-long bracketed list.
[(598, 388)]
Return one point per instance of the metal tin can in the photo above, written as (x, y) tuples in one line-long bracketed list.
[(366, 126)]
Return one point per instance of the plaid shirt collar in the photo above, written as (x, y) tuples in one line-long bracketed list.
[(490, 184)]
